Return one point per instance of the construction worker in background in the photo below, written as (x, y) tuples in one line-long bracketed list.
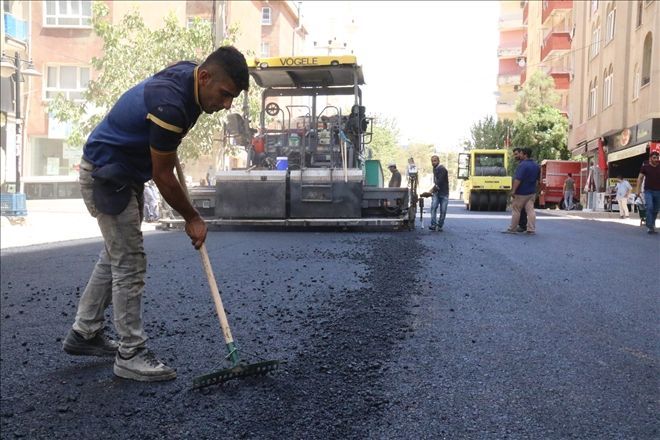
[(569, 190), (395, 180), (137, 141), (440, 194)]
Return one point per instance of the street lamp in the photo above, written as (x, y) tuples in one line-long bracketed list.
[(12, 68)]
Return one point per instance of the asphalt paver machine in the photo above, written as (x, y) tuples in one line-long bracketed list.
[(307, 161)]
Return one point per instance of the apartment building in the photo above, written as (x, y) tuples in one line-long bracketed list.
[(58, 38), (615, 92), (509, 52), (16, 53), (547, 44)]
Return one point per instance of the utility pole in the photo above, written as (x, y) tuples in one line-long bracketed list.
[(219, 22)]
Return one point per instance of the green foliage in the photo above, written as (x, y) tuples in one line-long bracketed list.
[(488, 134), (539, 90), (384, 144), (544, 130), (133, 52)]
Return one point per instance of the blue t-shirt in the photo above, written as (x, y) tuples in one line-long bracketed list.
[(157, 113), (528, 173)]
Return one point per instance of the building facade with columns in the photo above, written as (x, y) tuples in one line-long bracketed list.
[(615, 90)]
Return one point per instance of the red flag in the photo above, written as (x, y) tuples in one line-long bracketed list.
[(654, 146), (602, 163)]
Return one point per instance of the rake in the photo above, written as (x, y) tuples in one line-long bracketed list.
[(238, 369)]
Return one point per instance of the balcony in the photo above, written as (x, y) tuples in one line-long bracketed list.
[(555, 42), (561, 76), (551, 6), (508, 52), (15, 28), (510, 21), (562, 80), (508, 79), (525, 12), (504, 107)]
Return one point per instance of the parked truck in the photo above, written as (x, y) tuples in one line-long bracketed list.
[(486, 181), (553, 175)]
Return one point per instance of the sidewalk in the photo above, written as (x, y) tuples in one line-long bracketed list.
[(602, 216), (51, 221)]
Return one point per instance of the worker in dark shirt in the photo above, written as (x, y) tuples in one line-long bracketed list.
[(395, 180), (524, 192), (440, 194), (649, 179), (135, 142)]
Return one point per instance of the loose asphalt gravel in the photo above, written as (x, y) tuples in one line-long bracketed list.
[(467, 333)]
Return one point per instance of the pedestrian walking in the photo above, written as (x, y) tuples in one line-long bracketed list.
[(137, 141), (569, 190), (395, 180), (524, 192), (439, 194), (623, 189), (649, 179)]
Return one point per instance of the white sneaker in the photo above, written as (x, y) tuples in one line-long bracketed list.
[(142, 366)]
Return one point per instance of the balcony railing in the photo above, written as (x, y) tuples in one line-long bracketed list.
[(562, 79), (555, 42), (15, 28), (508, 79), (508, 52), (549, 6), (511, 21), (505, 107)]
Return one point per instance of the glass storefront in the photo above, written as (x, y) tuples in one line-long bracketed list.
[(52, 157)]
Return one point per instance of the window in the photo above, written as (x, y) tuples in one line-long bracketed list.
[(70, 80), (611, 17), (608, 89), (265, 16), (636, 82), (646, 60), (595, 41), (594, 6), (593, 97), (265, 49), (72, 13), (640, 9)]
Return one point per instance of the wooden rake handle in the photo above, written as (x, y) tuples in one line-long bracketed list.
[(206, 263)]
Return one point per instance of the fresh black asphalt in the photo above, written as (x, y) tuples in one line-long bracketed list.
[(462, 334)]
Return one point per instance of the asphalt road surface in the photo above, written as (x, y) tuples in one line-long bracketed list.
[(461, 334)]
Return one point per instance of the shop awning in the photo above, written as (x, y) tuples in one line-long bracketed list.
[(628, 152)]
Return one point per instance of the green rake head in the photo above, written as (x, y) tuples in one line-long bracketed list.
[(236, 372)]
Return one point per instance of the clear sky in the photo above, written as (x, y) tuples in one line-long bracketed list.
[(430, 65)]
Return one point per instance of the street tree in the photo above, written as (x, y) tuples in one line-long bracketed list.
[(132, 52), (488, 133), (544, 130), (384, 144), (540, 125), (538, 90)]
